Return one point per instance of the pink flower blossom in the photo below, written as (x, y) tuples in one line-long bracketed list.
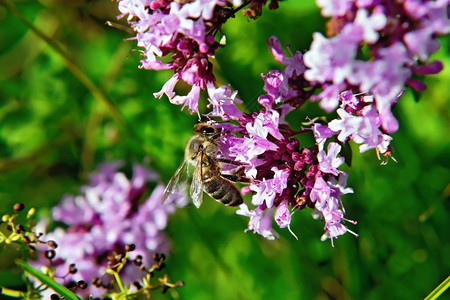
[(329, 162), (283, 215), (260, 221)]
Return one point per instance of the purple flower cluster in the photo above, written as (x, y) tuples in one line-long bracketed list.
[(286, 176), (186, 31), (400, 36), (104, 218), (374, 50)]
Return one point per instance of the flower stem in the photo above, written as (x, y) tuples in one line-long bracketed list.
[(119, 281), (439, 289)]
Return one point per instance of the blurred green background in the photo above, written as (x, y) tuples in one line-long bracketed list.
[(54, 130)]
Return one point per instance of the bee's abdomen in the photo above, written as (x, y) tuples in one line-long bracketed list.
[(223, 191)]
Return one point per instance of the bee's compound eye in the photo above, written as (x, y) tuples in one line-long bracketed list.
[(208, 131)]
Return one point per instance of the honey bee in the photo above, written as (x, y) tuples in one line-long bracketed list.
[(201, 152)]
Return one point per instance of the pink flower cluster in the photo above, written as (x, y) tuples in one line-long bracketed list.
[(374, 50), (185, 30), (105, 217), (400, 36), (286, 176)]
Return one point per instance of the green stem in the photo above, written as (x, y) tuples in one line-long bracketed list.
[(11, 293), (119, 281), (439, 289)]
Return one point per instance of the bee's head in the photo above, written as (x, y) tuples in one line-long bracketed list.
[(206, 130)]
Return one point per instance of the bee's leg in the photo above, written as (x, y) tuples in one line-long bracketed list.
[(229, 161), (236, 178)]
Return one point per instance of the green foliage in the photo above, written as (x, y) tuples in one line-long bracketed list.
[(50, 282), (53, 131)]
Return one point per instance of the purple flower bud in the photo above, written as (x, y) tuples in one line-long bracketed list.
[(416, 85), (293, 145), (433, 67), (296, 156), (299, 165)]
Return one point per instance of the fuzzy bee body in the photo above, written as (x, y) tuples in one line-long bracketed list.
[(221, 189), (201, 152)]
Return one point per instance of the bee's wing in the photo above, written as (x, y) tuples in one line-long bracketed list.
[(173, 185), (197, 182)]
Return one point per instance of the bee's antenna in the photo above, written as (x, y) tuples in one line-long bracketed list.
[(121, 27)]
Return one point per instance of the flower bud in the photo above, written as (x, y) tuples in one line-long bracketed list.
[(50, 254), (179, 283), (18, 207), (137, 285), (20, 228), (97, 282), (299, 165), (72, 284), (130, 248), (31, 213), (82, 284), (72, 269), (52, 244), (295, 156)]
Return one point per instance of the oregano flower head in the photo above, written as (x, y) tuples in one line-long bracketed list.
[(372, 51), (111, 212)]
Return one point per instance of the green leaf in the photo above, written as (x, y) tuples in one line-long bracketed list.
[(50, 282)]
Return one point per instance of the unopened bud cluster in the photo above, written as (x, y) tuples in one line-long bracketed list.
[(23, 235), (149, 281)]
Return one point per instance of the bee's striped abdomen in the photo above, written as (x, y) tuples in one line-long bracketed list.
[(223, 191)]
